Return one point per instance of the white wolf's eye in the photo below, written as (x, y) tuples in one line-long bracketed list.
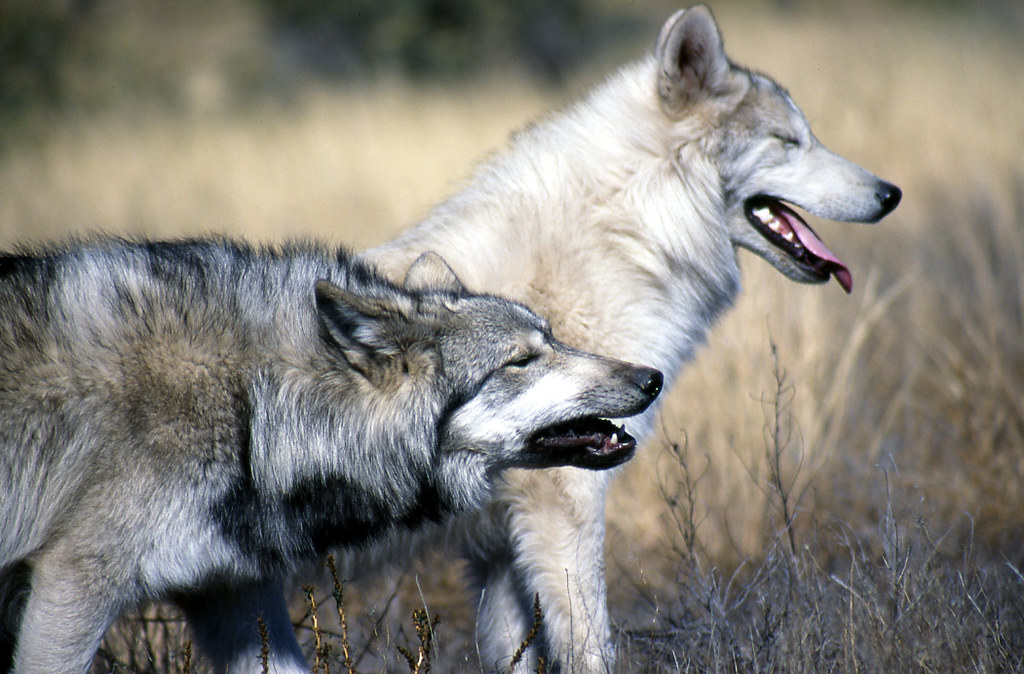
[(788, 141)]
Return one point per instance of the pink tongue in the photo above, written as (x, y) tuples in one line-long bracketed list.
[(816, 247)]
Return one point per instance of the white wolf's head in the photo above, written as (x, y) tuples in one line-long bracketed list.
[(764, 152)]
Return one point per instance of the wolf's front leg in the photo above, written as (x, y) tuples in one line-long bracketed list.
[(502, 621), (225, 627), (556, 530), (70, 605)]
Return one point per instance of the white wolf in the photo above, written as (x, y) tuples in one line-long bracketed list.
[(619, 220)]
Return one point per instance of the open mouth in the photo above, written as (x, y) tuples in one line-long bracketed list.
[(587, 443), (783, 228)]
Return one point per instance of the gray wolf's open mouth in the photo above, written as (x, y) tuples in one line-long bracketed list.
[(784, 229), (588, 443)]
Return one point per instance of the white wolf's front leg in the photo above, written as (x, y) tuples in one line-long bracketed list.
[(225, 626), (556, 529)]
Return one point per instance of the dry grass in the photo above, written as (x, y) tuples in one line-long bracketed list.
[(858, 505), (318, 167)]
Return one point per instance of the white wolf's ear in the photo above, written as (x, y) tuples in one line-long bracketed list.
[(431, 272), (358, 324), (692, 64)]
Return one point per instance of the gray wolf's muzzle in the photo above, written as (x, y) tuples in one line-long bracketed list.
[(595, 442)]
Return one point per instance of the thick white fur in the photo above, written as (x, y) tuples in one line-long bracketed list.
[(580, 220), (618, 220)]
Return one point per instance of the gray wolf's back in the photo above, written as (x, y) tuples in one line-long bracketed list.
[(90, 333)]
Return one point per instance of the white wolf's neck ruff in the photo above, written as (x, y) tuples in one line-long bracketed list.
[(600, 193)]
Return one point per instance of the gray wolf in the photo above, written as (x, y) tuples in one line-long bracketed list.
[(188, 421), (619, 220)]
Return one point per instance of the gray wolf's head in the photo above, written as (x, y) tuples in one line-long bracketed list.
[(764, 152), (485, 372)]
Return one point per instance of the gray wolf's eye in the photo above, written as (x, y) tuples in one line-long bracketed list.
[(522, 360)]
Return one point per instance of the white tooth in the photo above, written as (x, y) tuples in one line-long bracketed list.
[(764, 214), (789, 236), (615, 438), (775, 226)]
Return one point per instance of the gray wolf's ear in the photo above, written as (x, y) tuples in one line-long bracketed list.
[(431, 272), (358, 324), (691, 60)]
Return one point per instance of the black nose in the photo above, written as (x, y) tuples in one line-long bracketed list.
[(650, 382), (889, 197)]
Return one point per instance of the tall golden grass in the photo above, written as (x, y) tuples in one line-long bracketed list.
[(904, 400)]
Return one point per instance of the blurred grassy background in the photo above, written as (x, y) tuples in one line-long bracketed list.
[(273, 119)]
